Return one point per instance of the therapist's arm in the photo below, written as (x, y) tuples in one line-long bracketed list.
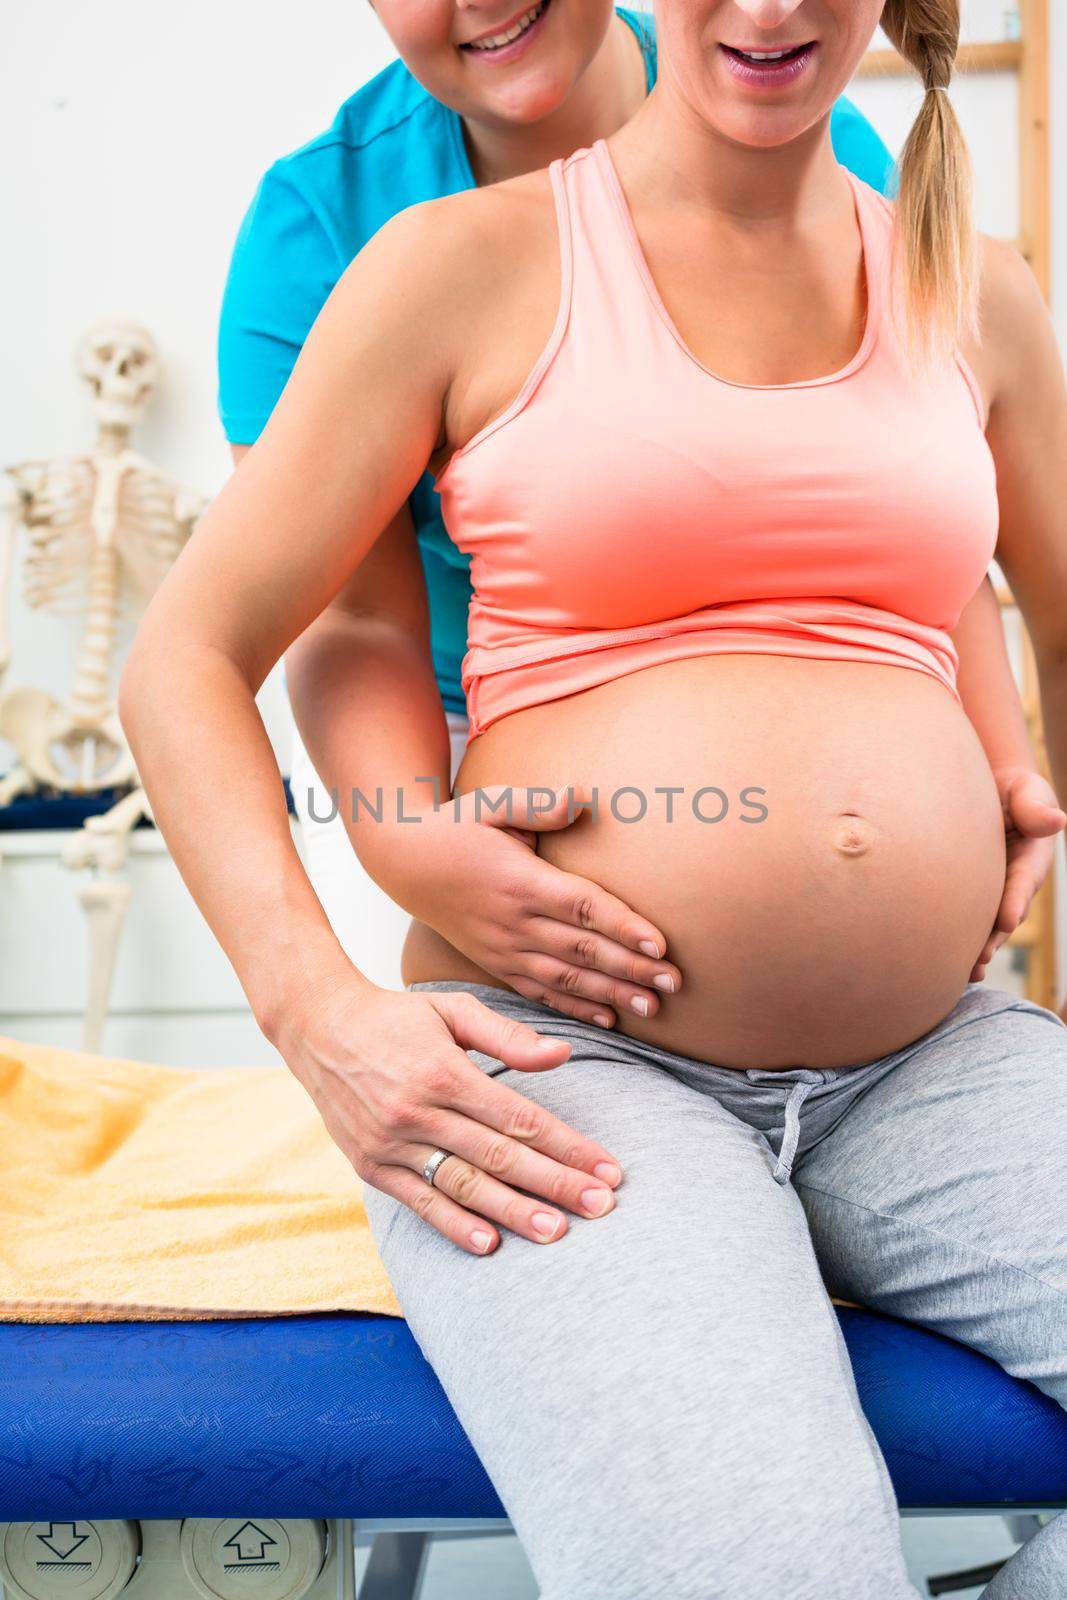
[(365, 699), (361, 683)]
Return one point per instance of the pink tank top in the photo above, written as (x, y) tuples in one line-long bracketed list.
[(629, 507)]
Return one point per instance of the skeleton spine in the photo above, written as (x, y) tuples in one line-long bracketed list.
[(90, 699)]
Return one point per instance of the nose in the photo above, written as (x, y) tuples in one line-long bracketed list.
[(768, 13)]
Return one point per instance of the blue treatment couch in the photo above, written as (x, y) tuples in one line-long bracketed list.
[(340, 1417)]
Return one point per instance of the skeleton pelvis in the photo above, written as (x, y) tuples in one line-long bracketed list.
[(61, 751)]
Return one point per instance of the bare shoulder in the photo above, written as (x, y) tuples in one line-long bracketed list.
[(472, 282), (444, 257), (1011, 306), (1013, 316)]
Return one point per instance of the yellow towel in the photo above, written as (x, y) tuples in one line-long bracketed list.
[(168, 1193), (135, 1191)]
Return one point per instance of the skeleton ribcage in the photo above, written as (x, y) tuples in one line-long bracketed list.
[(58, 497)]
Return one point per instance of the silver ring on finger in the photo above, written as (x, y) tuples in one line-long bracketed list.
[(433, 1165)]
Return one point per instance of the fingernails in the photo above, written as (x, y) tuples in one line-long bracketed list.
[(650, 949), (607, 1171), (640, 1005), (596, 1201), (481, 1240), (603, 1019), (545, 1225), (663, 980)]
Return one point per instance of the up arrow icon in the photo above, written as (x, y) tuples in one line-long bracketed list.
[(250, 1542)]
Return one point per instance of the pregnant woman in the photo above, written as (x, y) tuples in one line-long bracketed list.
[(466, 103), (717, 559)]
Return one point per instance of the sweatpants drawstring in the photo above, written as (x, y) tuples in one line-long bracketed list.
[(791, 1134)]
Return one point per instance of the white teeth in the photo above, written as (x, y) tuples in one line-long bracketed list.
[(499, 40), (767, 55)]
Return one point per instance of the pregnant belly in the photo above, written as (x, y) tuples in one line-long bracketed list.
[(820, 842)]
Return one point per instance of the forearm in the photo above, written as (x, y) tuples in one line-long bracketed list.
[(1052, 677), (987, 685), (367, 707), (211, 776)]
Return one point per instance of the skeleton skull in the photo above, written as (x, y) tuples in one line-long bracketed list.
[(120, 363)]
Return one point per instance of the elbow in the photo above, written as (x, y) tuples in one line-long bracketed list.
[(138, 684), (133, 694)]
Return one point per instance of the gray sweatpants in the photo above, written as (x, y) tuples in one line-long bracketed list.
[(662, 1397)]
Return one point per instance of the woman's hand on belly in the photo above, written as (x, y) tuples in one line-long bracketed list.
[(471, 873), (1032, 819)]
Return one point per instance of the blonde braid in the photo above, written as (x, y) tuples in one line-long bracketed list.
[(935, 242)]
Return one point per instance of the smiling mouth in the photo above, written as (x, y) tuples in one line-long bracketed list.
[(507, 36), (762, 57)]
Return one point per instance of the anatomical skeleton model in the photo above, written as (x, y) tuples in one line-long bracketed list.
[(103, 529)]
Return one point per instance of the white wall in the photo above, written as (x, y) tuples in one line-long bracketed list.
[(132, 135)]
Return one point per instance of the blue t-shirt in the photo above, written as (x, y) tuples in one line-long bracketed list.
[(390, 146)]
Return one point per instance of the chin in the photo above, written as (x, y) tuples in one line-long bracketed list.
[(531, 105), (758, 127)]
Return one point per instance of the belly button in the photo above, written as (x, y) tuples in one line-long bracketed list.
[(853, 834)]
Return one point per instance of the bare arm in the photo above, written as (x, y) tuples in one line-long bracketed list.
[(363, 690), (1027, 434), (987, 684), (267, 557), (1032, 819), (360, 418), (362, 687), (366, 702)]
